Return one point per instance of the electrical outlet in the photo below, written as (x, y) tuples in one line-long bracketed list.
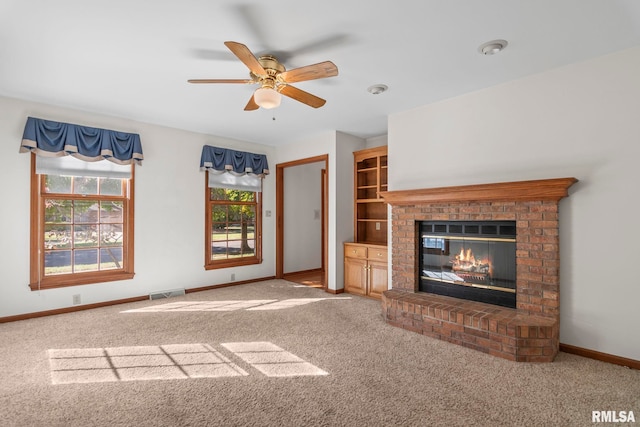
[(377, 226), (233, 276), (76, 299)]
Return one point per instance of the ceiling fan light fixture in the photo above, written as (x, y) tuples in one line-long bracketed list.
[(267, 98)]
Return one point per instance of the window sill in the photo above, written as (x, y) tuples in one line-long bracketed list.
[(63, 281), (231, 263)]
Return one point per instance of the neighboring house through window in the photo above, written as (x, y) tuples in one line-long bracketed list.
[(81, 229)]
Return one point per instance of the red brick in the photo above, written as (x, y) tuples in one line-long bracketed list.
[(529, 351), (477, 333), (508, 349), (530, 261), (508, 356), (532, 217), (535, 359), (547, 208), (537, 270), (543, 224)]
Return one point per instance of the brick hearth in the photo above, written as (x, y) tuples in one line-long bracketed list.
[(528, 333)]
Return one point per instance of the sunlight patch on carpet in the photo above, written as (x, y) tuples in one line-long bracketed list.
[(287, 303), (175, 361), (249, 305), (182, 306), (272, 360), (309, 284), (172, 362)]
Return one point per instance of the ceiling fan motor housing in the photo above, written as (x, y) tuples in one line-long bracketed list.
[(273, 68), (270, 63)]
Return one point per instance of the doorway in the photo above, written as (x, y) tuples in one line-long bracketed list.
[(316, 277)]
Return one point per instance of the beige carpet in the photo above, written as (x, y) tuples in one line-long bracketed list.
[(279, 354)]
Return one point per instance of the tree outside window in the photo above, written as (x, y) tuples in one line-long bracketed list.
[(233, 228)]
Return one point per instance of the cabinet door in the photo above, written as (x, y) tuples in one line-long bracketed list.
[(378, 278), (355, 276)]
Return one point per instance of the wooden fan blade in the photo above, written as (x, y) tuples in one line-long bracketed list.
[(302, 96), (251, 105), (244, 54), (245, 81), (310, 72)]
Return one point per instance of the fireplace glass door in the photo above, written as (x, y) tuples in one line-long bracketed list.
[(469, 260)]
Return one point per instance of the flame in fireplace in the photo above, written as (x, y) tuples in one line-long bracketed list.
[(466, 257), (466, 261)]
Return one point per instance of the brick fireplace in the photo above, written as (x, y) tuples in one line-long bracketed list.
[(528, 333)]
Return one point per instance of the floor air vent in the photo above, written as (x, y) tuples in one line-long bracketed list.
[(166, 294)]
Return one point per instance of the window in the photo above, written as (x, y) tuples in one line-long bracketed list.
[(81, 229), (233, 228)]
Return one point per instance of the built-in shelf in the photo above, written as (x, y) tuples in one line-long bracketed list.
[(369, 201), (368, 170), (370, 176)]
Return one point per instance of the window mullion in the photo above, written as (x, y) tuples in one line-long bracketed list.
[(41, 240)]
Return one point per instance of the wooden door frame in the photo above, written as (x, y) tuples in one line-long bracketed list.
[(323, 218), (280, 212)]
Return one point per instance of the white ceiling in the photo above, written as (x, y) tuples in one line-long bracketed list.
[(132, 58)]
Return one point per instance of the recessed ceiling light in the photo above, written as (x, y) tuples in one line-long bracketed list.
[(492, 47), (377, 89)]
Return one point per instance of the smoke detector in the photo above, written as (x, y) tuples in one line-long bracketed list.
[(492, 47)]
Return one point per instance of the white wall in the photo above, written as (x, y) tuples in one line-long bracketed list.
[(580, 120), (169, 213), (345, 146), (339, 147), (376, 141), (303, 217)]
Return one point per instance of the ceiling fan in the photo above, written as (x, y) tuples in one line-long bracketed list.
[(274, 79)]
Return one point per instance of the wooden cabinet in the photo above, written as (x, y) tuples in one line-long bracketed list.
[(370, 178), (365, 261), (365, 269)]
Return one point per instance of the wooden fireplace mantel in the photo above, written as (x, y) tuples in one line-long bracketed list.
[(543, 189)]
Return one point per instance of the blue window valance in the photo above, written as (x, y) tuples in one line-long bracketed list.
[(54, 139), (220, 160)]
